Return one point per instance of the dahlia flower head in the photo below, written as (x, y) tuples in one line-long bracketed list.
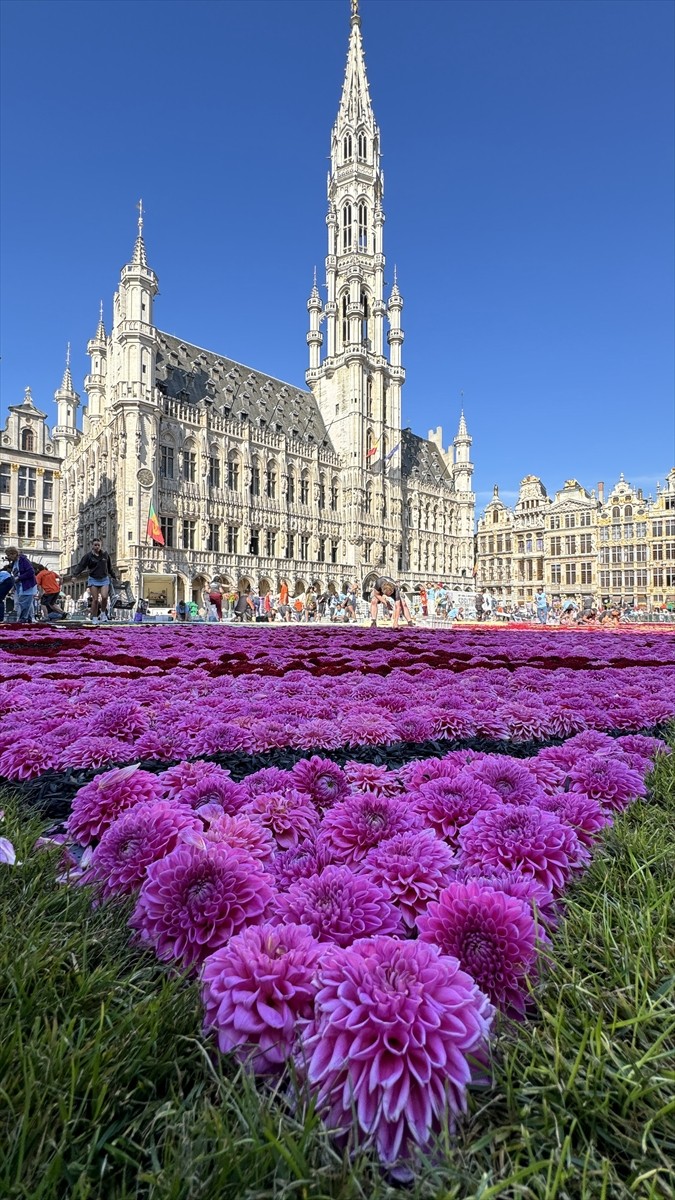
[(217, 826), (322, 780), (258, 991), (523, 838), (289, 816), (448, 803), (96, 805), (492, 935), (544, 908), (354, 826), (369, 778), (584, 815), (214, 789), (513, 782), (187, 774), (611, 783), (338, 906), (307, 858), (366, 728), (138, 837), (26, 758), (194, 900), (647, 747), (269, 779), (412, 869), (397, 1031), (423, 770)]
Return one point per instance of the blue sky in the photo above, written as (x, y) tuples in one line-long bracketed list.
[(528, 157)]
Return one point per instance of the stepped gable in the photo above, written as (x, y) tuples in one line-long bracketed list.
[(423, 460), (191, 375)]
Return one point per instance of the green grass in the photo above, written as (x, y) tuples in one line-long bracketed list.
[(108, 1090)]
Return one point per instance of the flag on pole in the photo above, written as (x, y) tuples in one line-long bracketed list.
[(372, 451), (392, 452), (475, 570), (154, 531)]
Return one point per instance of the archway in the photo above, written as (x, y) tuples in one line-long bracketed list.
[(368, 584), (264, 586), (300, 587), (244, 584), (197, 587)]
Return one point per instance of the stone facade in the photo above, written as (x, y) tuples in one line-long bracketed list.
[(29, 484), (612, 548), (253, 479)]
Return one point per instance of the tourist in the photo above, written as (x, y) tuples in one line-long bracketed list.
[(243, 606), (216, 598), (284, 607), (25, 586), (48, 583), (486, 606), (99, 570), (385, 591), (541, 605), (6, 586)]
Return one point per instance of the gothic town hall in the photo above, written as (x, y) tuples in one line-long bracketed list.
[(251, 478)]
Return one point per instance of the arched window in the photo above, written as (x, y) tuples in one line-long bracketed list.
[(233, 471), (616, 513), (347, 148), (369, 500), (363, 227), (628, 512), (334, 494), (304, 487), (370, 446), (369, 396), (291, 486), (347, 227), (271, 481), (365, 313), (27, 440), (345, 319), (255, 477), (214, 468), (362, 147)]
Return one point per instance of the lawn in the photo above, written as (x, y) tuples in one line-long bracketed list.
[(110, 1089)]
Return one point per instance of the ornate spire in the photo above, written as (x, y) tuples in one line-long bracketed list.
[(462, 430), (355, 106), (100, 335), (67, 381), (139, 257)]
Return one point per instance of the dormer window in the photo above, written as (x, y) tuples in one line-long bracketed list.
[(28, 440)]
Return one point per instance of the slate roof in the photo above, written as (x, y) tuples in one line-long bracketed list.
[(423, 460), (189, 374)]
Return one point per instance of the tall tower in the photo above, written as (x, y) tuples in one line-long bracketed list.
[(65, 432), (95, 382), (462, 472), (358, 388)]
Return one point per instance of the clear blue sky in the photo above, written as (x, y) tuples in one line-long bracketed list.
[(528, 157)]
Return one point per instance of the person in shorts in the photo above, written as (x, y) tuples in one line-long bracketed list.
[(386, 591), (99, 570), (48, 583)]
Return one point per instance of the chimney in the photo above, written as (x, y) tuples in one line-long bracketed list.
[(601, 492)]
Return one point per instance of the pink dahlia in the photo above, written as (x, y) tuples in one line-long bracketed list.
[(136, 838), (369, 778), (611, 783), (194, 900), (412, 868), (321, 779), (417, 726), (314, 733), (424, 770), (585, 816), (269, 779), (512, 780), (338, 906), (162, 745), (396, 1033), (27, 758), (187, 774), (367, 729), (214, 789), (350, 829), (120, 719), (646, 747), (524, 838), (544, 908), (305, 859), (448, 803), (258, 990), (237, 831), (492, 935), (289, 816), (97, 804)]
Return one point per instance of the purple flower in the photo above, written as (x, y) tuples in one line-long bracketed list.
[(270, 779), (492, 935), (611, 783), (97, 804), (417, 726), (412, 868), (447, 804), (585, 816), (120, 719), (396, 1032), (140, 836), (95, 752), (350, 829), (214, 789), (646, 747), (258, 990), (237, 831), (369, 778), (423, 770), (7, 852), (540, 900), (512, 780), (338, 906), (305, 859), (367, 729), (522, 837), (322, 780), (187, 774), (193, 901), (289, 816), (26, 758)]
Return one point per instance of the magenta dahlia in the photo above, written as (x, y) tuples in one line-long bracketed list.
[(96, 805), (238, 831), (424, 770), (397, 1031), (524, 838), (544, 908), (139, 836), (611, 783), (26, 758), (585, 815), (322, 780), (214, 789), (350, 829), (448, 803), (307, 858), (646, 747), (289, 816), (413, 868), (512, 780), (369, 778), (194, 900), (338, 906), (258, 990), (269, 779), (492, 935), (367, 729), (187, 774)]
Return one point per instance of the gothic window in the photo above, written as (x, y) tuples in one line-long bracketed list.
[(369, 501), (255, 479), (370, 446), (189, 534), (291, 487), (271, 543), (27, 440), (369, 397), (304, 546), (254, 543), (322, 492), (189, 465), (214, 471), (347, 148), (362, 147), (363, 227), (304, 488), (321, 556), (233, 472), (232, 539), (214, 537), (334, 550), (271, 481), (167, 525), (334, 495), (345, 319), (347, 227), (365, 313)]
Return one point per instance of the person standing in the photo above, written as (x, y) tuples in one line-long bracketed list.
[(6, 586), (48, 583), (98, 565), (216, 598), (25, 584), (541, 605)]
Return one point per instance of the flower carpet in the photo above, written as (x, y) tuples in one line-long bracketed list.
[(359, 845)]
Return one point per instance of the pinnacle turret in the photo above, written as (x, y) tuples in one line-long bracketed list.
[(462, 431), (355, 107), (139, 258), (100, 335), (67, 381)]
